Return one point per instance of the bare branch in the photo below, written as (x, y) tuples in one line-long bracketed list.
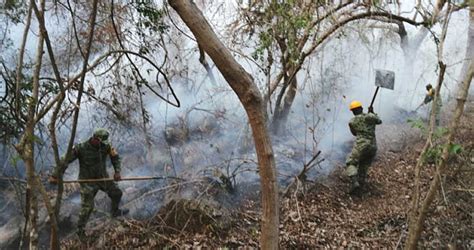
[(19, 66), (137, 71)]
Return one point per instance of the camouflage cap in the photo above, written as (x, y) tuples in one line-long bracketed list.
[(101, 133)]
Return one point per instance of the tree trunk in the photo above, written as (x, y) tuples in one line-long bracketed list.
[(283, 110), (413, 224), (54, 242), (416, 225), (410, 46), (54, 238), (203, 61), (417, 214), (469, 56), (33, 236), (19, 66), (245, 88), (27, 144)]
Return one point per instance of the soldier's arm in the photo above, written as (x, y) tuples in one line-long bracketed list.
[(353, 131), (60, 169), (374, 118), (115, 159), (428, 98)]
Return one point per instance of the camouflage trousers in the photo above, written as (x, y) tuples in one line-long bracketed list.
[(361, 157), (88, 193)]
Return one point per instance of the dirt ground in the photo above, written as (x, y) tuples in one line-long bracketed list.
[(323, 214)]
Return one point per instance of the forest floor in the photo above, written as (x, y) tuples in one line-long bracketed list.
[(324, 215)]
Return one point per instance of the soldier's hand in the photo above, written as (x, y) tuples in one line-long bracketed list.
[(53, 180), (371, 110), (117, 177)]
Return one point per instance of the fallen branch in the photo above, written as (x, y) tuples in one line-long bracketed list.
[(301, 177)]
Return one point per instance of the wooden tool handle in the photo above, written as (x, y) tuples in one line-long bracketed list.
[(373, 98), (135, 178)]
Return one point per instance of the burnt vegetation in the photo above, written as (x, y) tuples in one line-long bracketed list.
[(324, 215), (231, 120)]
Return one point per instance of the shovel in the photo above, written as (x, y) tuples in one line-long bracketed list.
[(384, 79)]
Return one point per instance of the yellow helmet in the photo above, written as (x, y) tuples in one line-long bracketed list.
[(355, 104)]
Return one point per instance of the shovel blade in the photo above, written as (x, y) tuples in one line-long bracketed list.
[(385, 79)]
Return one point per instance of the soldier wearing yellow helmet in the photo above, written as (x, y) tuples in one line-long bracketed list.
[(430, 96), (362, 126)]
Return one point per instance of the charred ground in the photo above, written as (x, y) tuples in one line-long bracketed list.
[(321, 213)]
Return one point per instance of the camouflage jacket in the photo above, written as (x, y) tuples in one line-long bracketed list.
[(92, 160), (363, 126)]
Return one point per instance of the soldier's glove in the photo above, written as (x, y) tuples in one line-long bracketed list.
[(371, 110), (117, 177), (53, 180)]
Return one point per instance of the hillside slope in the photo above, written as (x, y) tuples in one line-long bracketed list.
[(324, 215)]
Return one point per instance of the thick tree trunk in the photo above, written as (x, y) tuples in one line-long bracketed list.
[(245, 88), (282, 111), (410, 46), (469, 56)]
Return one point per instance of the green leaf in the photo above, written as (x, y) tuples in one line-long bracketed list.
[(455, 148), (36, 139), (14, 160), (440, 132), (417, 123)]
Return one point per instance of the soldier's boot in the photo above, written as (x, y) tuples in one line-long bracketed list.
[(363, 183), (363, 179), (355, 185), (81, 223), (116, 211), (120, 212)]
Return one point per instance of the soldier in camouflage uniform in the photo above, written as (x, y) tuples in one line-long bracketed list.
[(430, 95), (362, 125), (92, 156)]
